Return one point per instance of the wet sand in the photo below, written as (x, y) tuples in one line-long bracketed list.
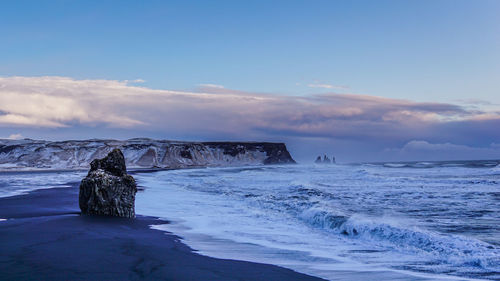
[(44, 237)]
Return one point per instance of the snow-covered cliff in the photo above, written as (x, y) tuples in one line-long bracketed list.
[(139, 153)]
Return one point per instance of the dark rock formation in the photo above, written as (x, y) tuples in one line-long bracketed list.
[(318, 160), (186, 154), (275, 153), (108, 189), (114, 163), (326, 160)]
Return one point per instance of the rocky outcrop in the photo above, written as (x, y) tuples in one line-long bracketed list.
[(108, 189), (325, 160), (318, 160), (139, 153), (275, 153)]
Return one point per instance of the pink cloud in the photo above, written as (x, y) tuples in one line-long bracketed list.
[(62, 102)]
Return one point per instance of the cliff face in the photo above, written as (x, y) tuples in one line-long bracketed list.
[(139, 153)]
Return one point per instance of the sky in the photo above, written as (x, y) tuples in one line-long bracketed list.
[(361, 80)]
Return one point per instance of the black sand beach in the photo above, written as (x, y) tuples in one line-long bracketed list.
[(45, 238)]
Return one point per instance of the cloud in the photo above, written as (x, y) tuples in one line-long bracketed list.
[(15, 137), (211, 86), (62, 102), (417, 145), (476, 102), (327, 86), (424, 150)]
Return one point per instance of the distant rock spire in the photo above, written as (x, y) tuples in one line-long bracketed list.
[(318, 160), (326, 160)]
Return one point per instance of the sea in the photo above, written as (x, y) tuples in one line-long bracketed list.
[(394, 221)]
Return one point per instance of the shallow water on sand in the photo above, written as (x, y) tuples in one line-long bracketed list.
[(433, 220), (16, 183)]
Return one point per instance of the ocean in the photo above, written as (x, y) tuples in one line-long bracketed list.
[(418, 220)]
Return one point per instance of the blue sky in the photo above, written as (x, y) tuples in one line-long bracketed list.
[(418, 51)]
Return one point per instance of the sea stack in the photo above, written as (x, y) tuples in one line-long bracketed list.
[(107, 189), (318, 160), (326, 160)]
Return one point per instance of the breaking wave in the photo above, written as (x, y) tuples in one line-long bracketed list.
[(451, 249), (465, 164)]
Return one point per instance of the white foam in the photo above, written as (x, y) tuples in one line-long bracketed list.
[(16, 183), (395, 165)]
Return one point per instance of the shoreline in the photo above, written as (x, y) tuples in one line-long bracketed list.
[(129, 170), (54, 213), (44, 237), (132, 170)]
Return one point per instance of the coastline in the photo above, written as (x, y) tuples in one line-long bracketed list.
[(44, 237), (39, 227)]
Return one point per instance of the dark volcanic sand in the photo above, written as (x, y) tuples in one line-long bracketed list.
[(45, 238)]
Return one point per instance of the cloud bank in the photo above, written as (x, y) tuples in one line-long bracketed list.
[(419, 149), (61, 102)]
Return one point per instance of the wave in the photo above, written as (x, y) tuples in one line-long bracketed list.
[(395, 165), (496, 168), (445, 249), (437, 164)]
